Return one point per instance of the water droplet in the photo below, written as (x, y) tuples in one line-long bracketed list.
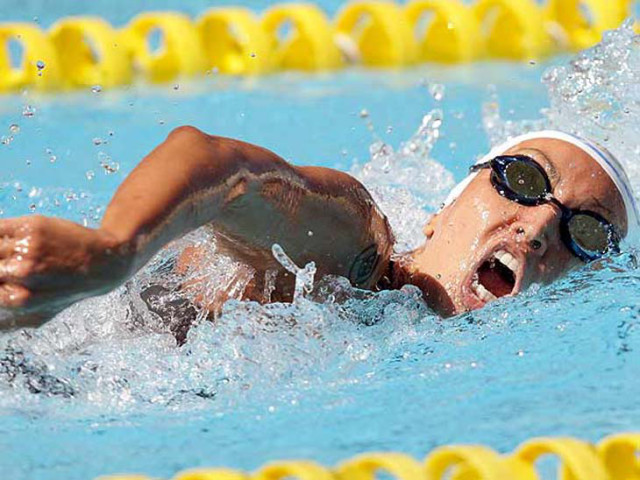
[(109, 167), (32, 207), (90, 174), (176, 86), (437, 91), (310, 233), (28, 111), (364, 113), (253, 55), (389, 129), (40, 65), (14, 128), (96, 89), (97, 141)]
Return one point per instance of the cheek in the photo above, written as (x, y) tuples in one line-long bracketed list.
[(557, 262)]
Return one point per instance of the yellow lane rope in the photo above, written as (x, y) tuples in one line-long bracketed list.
[(80, 52), (616, 457)]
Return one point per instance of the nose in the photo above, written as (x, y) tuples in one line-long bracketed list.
[(537, 226)]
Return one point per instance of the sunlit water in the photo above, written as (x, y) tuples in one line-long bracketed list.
[(104, 388)]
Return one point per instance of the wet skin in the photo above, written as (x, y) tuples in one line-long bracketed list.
[(252, 198)]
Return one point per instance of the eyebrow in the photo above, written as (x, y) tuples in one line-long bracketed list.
[(607, 210)]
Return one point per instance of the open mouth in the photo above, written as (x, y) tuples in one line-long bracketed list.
[(496, 276)]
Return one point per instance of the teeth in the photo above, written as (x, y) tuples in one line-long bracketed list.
[(507, 260), (482, 293)]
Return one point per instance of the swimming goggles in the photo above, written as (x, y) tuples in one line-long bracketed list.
[(519, 178)]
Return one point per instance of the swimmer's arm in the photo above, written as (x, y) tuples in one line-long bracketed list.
[(249, 195), (191, 179)]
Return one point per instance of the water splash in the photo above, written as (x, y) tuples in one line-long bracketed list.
[(117, 352), (407, 184), (304, 276)]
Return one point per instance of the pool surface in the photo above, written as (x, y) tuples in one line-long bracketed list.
[(103, 388)]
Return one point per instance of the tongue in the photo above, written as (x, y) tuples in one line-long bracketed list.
[(496, 278)]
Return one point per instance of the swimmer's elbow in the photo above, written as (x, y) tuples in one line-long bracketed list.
[(187, 133)]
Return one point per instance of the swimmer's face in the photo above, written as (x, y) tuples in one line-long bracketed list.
[(481, 226)]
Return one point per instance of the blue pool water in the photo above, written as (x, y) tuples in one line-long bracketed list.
[(103, 389)]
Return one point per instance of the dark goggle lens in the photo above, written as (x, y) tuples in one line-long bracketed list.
[(589, 233), (526, 180)]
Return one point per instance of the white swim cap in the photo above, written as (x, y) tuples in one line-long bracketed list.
[(605, 159)]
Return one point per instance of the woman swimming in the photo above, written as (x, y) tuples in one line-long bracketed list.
[(531, 210)]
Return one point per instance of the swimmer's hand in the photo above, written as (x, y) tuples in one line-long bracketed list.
[(46, 264)]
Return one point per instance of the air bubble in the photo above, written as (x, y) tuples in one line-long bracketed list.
[(40, 65), (14, 128), (96, 89), (90, 174)]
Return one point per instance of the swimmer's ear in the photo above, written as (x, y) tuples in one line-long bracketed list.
[(429, 228)]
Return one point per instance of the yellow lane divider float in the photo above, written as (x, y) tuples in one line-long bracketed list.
[(233, 42), (308, 45), (92, 54), (78, 52), (178, 51), (616, 457), (381, 32), (446, 31), (36, 65)]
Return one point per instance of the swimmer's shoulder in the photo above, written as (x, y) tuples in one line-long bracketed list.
[(375, 241)]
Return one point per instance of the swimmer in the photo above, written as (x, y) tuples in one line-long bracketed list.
[(530, 211)]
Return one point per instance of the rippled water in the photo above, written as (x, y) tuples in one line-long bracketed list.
[(104, 387)]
